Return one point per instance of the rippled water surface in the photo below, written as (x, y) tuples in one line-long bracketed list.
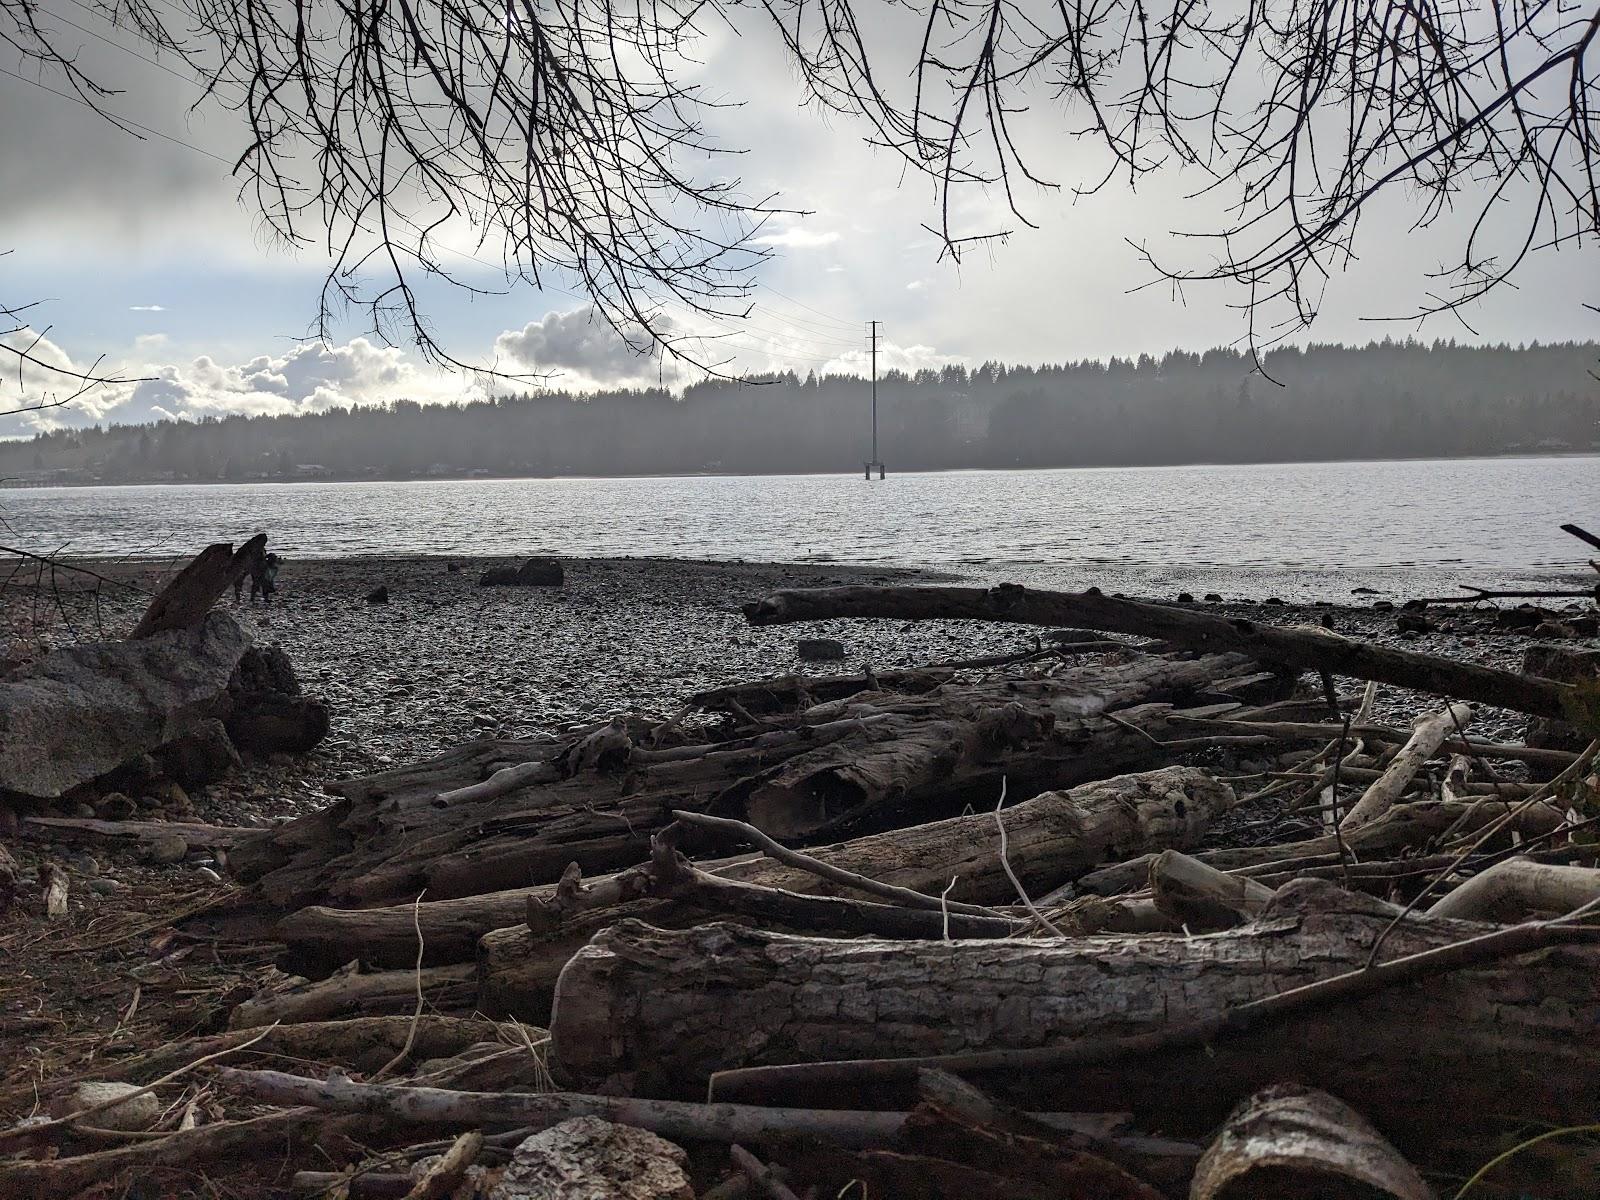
[(1471, 519)]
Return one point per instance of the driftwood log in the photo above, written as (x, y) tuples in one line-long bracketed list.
[(926, 754), (1294, 1141), (186, 600), (1309, 649), (1051, 839), (1436, 1065)]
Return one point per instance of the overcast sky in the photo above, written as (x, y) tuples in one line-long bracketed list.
[(143, 253)]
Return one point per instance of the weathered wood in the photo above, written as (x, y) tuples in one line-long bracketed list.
[(1200, 897), (1519, 889), (1423, 744), (1288, 1140), (926, 755), (1402, 827), (1053, 837), (349, 993), (89, 828), (1433, 1064), (1300, 647), (186, 600)]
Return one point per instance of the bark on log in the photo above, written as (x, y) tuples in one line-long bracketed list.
[(1052, 838), (450, 987), (926, 754), (1287, 1141), (1422, 745), (1519, 889), (1303, 648), (186, 600), (1201, 898), (1435, 1065)]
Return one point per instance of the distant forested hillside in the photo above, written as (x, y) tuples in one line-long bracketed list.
[(1389, 399)]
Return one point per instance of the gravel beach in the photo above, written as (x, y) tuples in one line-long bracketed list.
[(445, 660)]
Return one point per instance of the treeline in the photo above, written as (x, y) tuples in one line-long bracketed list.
[(1388, 399)]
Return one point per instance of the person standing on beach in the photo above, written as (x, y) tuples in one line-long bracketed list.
[(264, 577)]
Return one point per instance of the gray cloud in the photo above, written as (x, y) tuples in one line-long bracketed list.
[(579, 341)]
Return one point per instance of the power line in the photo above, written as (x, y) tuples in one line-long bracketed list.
[(117, 120)]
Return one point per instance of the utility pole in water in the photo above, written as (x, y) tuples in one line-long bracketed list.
[(872, 334)]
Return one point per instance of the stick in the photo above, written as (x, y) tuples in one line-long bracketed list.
[(758, 1173), (442, 1177), (805, 862), (1306, 649), (1424, 742)]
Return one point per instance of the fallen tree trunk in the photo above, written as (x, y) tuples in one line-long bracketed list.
[(1434, 1064), (1052, 838), (1297, 1141), (933, 751), (1303, 648)]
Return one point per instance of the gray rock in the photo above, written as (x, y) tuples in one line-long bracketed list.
[(536, 572), (590, 1159), (820, 649), (279, 724), (165, 849), (378, 595), (135, 1113), (78, 713), (199, 758)]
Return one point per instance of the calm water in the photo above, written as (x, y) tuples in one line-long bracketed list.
[(1290, 528)]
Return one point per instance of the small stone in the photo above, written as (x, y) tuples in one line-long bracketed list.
[(1272, 600), (165, 849), (135, 1113), (1213, 598), (378, 595), (1383, 606), (208, 874), (114, 806), (820, 649), (1185, 598), (1412, 622), (1409, 635), (106, 887)]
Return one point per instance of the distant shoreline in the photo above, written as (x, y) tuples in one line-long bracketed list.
[(16, 484)]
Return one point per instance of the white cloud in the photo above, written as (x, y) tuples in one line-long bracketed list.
[(891, 357), (916, 285), (147, 308), (309, 377), (797, 238)]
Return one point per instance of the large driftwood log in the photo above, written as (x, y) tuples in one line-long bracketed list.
[(1303, 648), (1436, 1063), (1052, 838), (1294, 1141), (929, 754), (186, 600), (1199, 897)]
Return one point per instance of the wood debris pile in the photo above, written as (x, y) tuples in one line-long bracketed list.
[(981, 929)]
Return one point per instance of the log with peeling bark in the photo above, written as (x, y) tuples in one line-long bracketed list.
[(926, 754), (1290, 1140), (1437, 1064), (1304, 648), (1052, 838)]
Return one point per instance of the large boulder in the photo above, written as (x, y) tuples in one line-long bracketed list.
[(198, 758), (80, 712), (267, 713), (536, 572)]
